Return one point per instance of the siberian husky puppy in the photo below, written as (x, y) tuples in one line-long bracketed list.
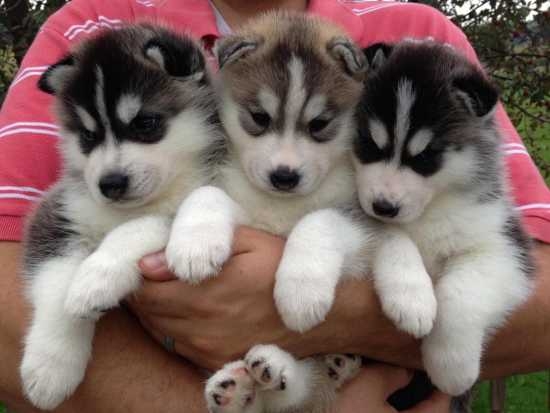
[(137, 116), (289, 88), (453, 261)]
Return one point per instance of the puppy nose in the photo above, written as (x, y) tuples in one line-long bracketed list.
[(284, 178), (114, 186), (384, 208)]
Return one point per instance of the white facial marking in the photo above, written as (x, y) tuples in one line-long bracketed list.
[(296, 93), (127, 108), (420, 141), (379, 133), (102, 105), (269, 101), (405, 99), (87, 119), (155, 54), (100, 96), (314, 107)]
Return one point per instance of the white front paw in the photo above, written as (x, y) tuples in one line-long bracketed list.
[(101, 283), (412, 308), (47, 380), (452, 369), (270, 366), (304, 292), (195, 253), (230, 390)]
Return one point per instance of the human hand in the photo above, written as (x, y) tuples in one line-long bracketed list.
[(222, 318), (369, 391)]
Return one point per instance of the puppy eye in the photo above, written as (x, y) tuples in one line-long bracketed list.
[(317, 125), (262, 119), (146, 123)]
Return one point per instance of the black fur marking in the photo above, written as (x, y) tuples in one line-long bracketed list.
[(376, 50), (44, 83), (49, 232), (181, 56), (119, 58), (523, 243), (227, 383), (436, 74), (483, 96)]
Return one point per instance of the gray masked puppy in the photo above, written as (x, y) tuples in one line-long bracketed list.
[(289, 88)]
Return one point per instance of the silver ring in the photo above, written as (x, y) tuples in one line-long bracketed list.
[(169, 344)]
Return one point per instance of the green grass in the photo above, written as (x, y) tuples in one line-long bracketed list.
[(524, 394)]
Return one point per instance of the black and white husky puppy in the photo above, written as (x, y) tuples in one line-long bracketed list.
[(453, 261), (289, 88), (138, 123)]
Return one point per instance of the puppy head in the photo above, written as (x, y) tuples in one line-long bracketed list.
[(424, 129), (290, 85), (132, 105)]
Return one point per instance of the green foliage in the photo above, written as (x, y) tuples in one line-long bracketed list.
[(8, 67), (524, 394)]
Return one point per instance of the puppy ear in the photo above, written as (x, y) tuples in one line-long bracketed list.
[(473, 90), (233, 48), (178, 56), (344, 51), (377, 54), (55, 76)]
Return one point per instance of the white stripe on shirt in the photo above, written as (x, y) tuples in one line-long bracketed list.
[(19, 196), (21, 189), (533, 206), (30, 130), (43, 124)]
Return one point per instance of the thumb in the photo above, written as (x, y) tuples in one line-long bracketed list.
[(437, 403), (155, 268)]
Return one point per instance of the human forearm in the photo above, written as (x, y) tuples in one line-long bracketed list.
[(128, 372)]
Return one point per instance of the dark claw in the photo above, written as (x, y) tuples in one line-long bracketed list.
[(266, 375), (283, 384), (226, 383), (332, 374)]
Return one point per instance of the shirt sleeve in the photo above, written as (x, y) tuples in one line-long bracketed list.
[(396, 21), (29, 159)]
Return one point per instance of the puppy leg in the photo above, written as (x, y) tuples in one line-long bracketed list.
[(111, 272), (202, 234), (474, 296), (403, 285), (57, 346), (284, 383), (312, 264), (232, 390)]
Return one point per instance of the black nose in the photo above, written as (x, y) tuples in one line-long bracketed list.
[(385, 208), (114, 186), (284, 178)]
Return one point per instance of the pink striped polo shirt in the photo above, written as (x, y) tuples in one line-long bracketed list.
[(30, 162)]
